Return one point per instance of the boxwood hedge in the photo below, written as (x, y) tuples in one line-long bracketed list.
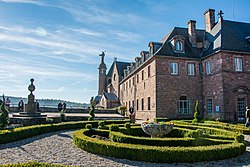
[(7, 136), (32, 164), (156, 153)]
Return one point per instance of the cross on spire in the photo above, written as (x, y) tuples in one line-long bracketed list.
[(220, 14)]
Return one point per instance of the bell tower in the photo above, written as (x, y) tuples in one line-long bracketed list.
[(102, 75)]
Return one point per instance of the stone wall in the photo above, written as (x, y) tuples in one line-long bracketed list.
[(224, 86), (213, 87), (137, 87), (170, 87), (69, 110)]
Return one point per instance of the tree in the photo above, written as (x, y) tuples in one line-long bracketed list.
[(196, 113), (4, 115), (92, 110)]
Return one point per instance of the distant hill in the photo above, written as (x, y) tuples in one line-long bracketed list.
[(48, 102)]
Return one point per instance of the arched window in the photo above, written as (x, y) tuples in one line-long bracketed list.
[(114, 77), (183, 105), (179, 46)]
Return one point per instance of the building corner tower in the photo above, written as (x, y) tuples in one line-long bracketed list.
[(102, 75)]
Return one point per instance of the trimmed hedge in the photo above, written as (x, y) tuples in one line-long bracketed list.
[(157, 153), (32, 164), (207, 130), (7, 136), (122, 138), (232, 127)]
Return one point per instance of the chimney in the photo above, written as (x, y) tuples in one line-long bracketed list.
[(192, 32), (209, 19)]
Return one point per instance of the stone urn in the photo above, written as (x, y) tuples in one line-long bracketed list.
[(157, 129)]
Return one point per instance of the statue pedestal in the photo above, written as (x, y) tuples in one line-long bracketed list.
[(30, 107), (30, 116)]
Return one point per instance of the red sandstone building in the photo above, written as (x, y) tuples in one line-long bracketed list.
[(188, 64)]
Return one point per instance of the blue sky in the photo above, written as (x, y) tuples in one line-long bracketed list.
[(57, 42)]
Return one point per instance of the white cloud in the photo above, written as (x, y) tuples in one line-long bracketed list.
[(127, 36), (21, 1), (88, 32)]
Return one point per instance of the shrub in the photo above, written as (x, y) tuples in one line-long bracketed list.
[(7, 136), (62, 116), (32, 164), (101, 123), (156, 153), (239, 137), (196, 113), (4, 116), (122, 110), (88, 126), (127, 125), (92, 110), (114, 127)]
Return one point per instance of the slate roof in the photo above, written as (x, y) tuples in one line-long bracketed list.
[(190, 52), (111, 96), (230, 36), (120, 66), (226, 35), (97, 98)]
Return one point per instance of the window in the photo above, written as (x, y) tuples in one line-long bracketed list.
[(174, 68), (142, 104), (148, 103), (142, 75), (114, 77), (183, 105), (238, 64), (103, 71), (133, 104), (129, 83), (133, 80), (150, 50), (148, 71), (190, 69), (137, 78), (129, 104), (178, 46), (209, 106), (208, 67), (137, 104), (241, 106)]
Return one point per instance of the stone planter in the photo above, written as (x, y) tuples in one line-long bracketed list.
[(157, 130)]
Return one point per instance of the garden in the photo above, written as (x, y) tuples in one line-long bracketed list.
[(161, 141)]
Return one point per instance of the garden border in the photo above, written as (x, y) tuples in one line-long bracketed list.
[(157, 153)]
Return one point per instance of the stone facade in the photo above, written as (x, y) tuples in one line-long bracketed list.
[(138, 90), (171, 87), (227, 86), (211, 66)]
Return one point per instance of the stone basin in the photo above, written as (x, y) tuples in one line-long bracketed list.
[(157, 130)]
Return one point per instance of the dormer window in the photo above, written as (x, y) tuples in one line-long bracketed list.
[(178, 43), (179, 46)]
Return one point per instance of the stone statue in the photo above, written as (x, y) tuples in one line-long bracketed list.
[(102, 55)]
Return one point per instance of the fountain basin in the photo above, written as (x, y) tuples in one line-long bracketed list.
[(156, 129)]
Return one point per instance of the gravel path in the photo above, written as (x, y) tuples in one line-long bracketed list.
[(58, 148)]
